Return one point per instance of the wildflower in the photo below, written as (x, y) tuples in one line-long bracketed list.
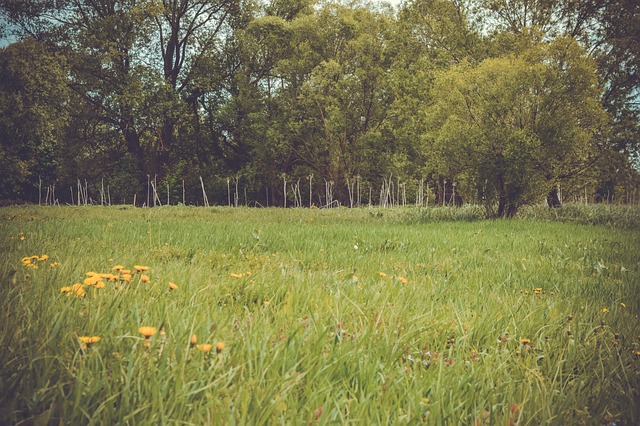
[(193, 340), (76, 289), (172, 286), (231, 274), (219, 347), (636, 354), (147, 331), (21, 237), (100, 284), (87, 341), (125, 271), (604, 310), (92, 280), (54, 264), (205, 347), (43, 257), (382, 274), (537, 290), (623, 305), (117, 268), (266, 303), (126, 277), (109, 277), (140, 268), (525, 341), (402, 280), (144, 278)]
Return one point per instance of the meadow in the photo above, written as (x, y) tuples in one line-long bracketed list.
[(184, 315)]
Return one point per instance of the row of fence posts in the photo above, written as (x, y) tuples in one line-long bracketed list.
[(393, 193)]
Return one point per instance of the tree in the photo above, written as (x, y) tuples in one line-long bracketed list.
[(34, 102), (517, 125)]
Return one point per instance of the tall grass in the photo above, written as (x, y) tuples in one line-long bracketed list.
[(346, 316)]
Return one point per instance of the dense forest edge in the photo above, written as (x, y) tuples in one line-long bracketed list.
[(301, 103)]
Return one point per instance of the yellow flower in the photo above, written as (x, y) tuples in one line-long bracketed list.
[(117, 268), (235, 275), (87, 341), (402, 280), (125, 271), (76, 289), (382, 274), (219, 347), (205, 347), (43, 257), (140, 268), (525, 341), (266, 303), (109, 277), (100, 284), (92, 280), (623, 305), (604, 310), (172, 286), (92, 274), (54, 264), (147, 331), (126, 277), (193, 340), (144, 278)]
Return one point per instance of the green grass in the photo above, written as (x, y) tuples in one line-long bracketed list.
[(315, 334)]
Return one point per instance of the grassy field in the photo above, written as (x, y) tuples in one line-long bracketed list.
[(361, 316)]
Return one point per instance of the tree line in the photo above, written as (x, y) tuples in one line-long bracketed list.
[(303, 102)]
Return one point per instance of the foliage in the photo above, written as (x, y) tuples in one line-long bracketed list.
[(517, 125)]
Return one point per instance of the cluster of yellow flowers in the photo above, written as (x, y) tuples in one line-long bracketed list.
[(31, 261), (400, 279), (204, 347), (538, 291), (118, 275)]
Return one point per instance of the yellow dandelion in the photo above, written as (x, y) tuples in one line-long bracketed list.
[(205, 347), (219, 347), (100, 284), (604, 310), (266, 303), (193, 340), (140, 268), (87, 341), (382, 274), (125, 271), (117, 268), (172, 286), (93, 280), (92, 274), (402, 280), (126, 277), (54, 264), (43, 257), (622, 304), (144, 278), (147, 331), (233, 275), (525, 341)]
